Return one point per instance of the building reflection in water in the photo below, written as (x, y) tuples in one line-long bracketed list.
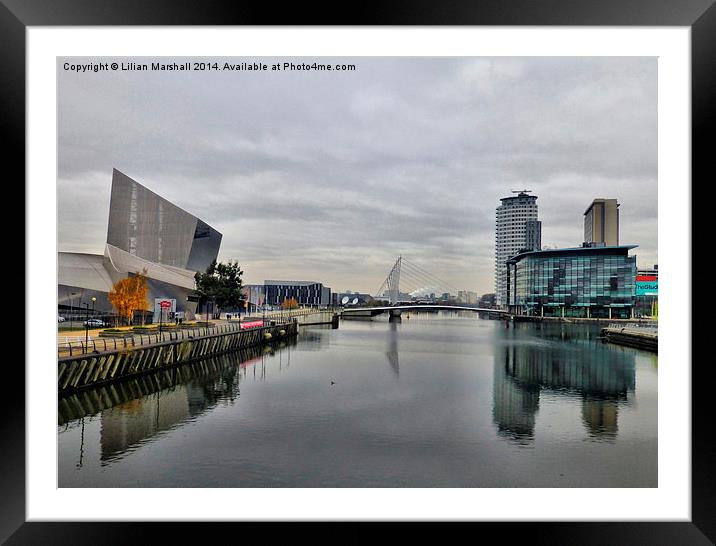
[(566, 362), (133, 411)]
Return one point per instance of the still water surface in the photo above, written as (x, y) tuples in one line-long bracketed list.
[(436, 400)]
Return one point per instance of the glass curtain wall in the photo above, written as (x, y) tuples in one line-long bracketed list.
[(575, 286)]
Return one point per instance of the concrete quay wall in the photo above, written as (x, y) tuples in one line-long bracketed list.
[(632, 337), (578, 320), (92, 369)]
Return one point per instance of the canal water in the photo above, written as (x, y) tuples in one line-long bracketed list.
[(435, 400)]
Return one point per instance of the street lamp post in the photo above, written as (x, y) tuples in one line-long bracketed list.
[(72, 305), (264, 307), (86, 306), (206, 310)]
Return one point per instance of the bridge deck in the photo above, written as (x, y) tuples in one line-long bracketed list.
[(418, 307)]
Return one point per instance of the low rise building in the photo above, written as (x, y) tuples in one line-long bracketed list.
[(305, 292), (487, 301), (647, 292), (466, 296), (338, 298)]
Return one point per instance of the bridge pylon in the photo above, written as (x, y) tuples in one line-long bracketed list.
[(415, 280), (394, 281)]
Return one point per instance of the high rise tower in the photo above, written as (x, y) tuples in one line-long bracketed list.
[(601, 223), (516, 229)]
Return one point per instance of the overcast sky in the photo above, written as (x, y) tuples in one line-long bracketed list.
[(329, 176)]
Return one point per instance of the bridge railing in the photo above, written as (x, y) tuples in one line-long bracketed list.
[(417, 307)]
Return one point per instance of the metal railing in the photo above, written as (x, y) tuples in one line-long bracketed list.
[(69, 347), (648, 327), (652, 324)]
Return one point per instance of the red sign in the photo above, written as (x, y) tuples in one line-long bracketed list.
[(165, 304), (646, 278), (251, 324)]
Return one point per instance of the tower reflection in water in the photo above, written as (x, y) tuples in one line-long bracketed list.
[(567, 362)]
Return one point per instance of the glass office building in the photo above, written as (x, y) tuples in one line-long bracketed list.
[(588, 282)]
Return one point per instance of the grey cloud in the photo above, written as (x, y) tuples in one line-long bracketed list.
[(331, 175)]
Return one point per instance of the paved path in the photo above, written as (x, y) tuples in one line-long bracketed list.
[(73, 341)]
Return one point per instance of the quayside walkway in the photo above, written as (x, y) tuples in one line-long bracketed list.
[(633, 335), (77, 342), (167, 350)]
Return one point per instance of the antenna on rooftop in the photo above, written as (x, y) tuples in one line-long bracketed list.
[(521, 191)]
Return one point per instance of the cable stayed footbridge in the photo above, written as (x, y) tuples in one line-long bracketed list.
[(407, 287), (407, 279)]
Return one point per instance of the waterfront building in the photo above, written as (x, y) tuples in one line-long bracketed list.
[(406, 296), (337, 297), (148, 226), (487, 301), (647, 292), (255, 296), (305, 292), (145, 232), (590, 282), (516, 229), (601, 223)]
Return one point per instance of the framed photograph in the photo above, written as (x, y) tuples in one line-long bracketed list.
[(400, 268)]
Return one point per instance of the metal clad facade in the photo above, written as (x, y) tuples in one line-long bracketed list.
[(148, 226)]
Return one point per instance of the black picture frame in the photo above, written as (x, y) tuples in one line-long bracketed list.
[(699, 15)]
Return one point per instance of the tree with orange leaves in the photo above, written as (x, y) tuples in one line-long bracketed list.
[(289, 303), (129, 295)]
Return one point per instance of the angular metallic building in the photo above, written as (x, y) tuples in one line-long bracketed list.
[(145, 232), (83, 276), (148, 226)]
